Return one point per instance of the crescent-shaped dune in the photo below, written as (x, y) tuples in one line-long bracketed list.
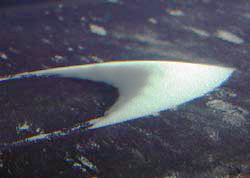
[(145, 87)]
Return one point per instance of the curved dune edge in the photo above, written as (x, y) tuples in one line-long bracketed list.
[(145, 87)]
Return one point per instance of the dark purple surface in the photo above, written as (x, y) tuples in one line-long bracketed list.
[(205, 138)]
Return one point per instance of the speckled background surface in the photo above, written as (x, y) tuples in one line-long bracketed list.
[(207, 137)]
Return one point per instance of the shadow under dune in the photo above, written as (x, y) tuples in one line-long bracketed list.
[(45, 104)]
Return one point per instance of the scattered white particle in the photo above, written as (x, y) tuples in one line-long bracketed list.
[(70, 49), (38, 130), (1, 165), (46, 41), (228, 36), (96, 59), (213, 134), (175, 12), (152, 20), (77, 127), (98, 30), (47, 12), (60, 6), (83, 18), (199, 32), (9, 171), (3, 56), (84, 59), (150, 39), (77, 165), (23, 126), (47, 28), (78, 146), (57, 58), (86, 162), (94, 145), (60, 18)]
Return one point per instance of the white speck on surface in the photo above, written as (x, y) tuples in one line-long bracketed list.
[(150, 39), (213, 134), (152, 20), (199, 32), (47, 12), (70, 49), (60, 6), (47, 27), (83, 18), (46, 41), (38, 130), (23, 126), (97, 59), (77, 165), (228, 36), (3, 56), (175, 12), (57, 58), (232, 114), (95, 145), (98, 30), (60, 18), (86, 162)]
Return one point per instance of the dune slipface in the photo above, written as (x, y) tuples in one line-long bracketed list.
[(145, 87)]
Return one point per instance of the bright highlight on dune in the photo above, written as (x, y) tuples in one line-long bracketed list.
[(145, 87)]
